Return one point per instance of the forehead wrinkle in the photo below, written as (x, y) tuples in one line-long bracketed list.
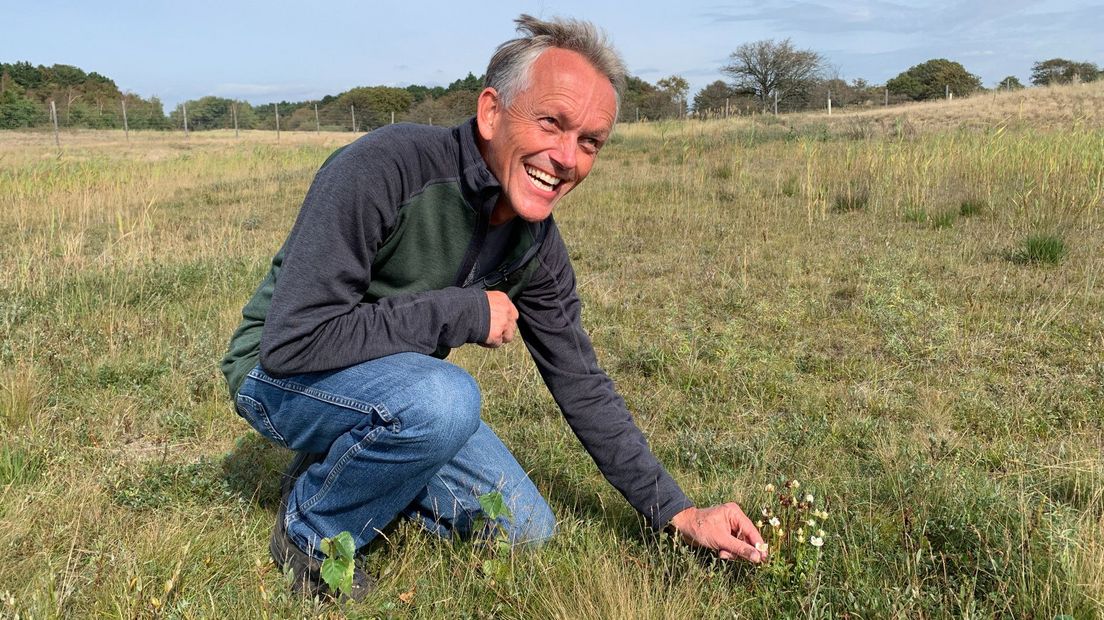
[(574, 78)]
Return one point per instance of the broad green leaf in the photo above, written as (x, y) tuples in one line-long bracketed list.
[(494, 506), (346, 547), (337, 568), (338, 574)]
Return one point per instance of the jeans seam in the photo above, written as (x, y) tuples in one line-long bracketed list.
[(338, 468), (259, 411), (326, 397)]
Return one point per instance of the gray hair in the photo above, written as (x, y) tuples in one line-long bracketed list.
[(510, 67)]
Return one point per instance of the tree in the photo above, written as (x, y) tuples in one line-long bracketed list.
[(420, 92), (18, 111), (470, 82), (775, 68), (643, 99), (147, 114), (1010, 83), (205, 113), (713, 97), (930, 80), (842, 93), (1062, 71), (676, 88), (374, 104), (865, 93), (24, 74), (448, 109)]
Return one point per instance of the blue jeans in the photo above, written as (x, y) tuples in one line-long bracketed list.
[(401, 437)]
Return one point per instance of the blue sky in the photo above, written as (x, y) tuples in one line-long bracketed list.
[(273, 50)]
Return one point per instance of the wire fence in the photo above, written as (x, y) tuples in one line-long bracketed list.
[(212, 113)]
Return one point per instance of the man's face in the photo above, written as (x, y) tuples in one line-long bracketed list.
[(545, 143)]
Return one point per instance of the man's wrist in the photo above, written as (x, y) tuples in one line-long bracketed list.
[(682, 520)]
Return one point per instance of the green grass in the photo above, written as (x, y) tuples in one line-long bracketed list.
[(945, 219), (944, 404), (1041, 249), (916, 215), (971, 207)]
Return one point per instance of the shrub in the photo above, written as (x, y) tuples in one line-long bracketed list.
[(943, 220), (1041, 249), (971, 207)]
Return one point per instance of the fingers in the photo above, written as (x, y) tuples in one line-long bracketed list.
[(744, 541), (740, 549), (503, 323), (741, 525)]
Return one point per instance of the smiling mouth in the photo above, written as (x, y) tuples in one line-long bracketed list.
[(542, 180)]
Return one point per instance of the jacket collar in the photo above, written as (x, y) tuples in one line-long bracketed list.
[(475, 176)]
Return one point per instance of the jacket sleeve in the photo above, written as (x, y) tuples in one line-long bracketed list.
[(318, 319), (550, 323)]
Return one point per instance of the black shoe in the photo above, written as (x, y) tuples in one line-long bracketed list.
[(306, 571)]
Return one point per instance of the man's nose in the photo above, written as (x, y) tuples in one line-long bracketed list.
[(564, 155)]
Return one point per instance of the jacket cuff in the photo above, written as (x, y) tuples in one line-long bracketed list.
[(668, 512), (481, 308)]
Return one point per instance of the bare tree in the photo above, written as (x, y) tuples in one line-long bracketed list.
[(775, 68)]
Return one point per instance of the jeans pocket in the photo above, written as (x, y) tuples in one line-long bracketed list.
[(254, 413)]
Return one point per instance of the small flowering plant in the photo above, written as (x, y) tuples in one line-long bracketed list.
[(794, 524)]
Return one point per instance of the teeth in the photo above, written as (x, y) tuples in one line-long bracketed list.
[(542, 179)]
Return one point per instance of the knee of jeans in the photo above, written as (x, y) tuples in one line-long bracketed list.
[(447, 401), (532, 525)]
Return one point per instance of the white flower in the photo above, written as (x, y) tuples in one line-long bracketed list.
[(820, 533), (816, 541), (808, 498), (794, 484), (823, 514), (811, 523), (762, 547), (759, 524), (766, 512), (770, 488), (775, 522)]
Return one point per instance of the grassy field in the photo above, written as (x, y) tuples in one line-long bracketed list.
[(902, 308)]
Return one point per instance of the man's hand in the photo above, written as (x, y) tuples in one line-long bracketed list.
[(724, 529), (504, 318)]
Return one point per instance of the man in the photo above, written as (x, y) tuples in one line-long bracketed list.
[(414, 240)]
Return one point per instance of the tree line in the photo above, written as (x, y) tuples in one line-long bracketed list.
[(772, 75), (81, 99), (764, 76)]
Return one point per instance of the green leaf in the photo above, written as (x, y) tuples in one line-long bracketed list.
[(494, 506), (496, 570), (338, 574), (346, 547), (337, 568)]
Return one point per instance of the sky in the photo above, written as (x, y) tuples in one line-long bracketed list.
[(295, 51)]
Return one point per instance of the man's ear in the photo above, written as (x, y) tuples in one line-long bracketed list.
[(488, 111)]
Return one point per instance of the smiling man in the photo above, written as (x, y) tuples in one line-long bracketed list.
[(415, 240)]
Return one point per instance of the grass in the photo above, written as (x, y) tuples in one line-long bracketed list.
[(971, 207), (1041, 249), (945, 404), (945, 219)]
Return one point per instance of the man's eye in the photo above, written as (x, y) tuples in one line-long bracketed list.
[(547, 122), (591, 145)]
